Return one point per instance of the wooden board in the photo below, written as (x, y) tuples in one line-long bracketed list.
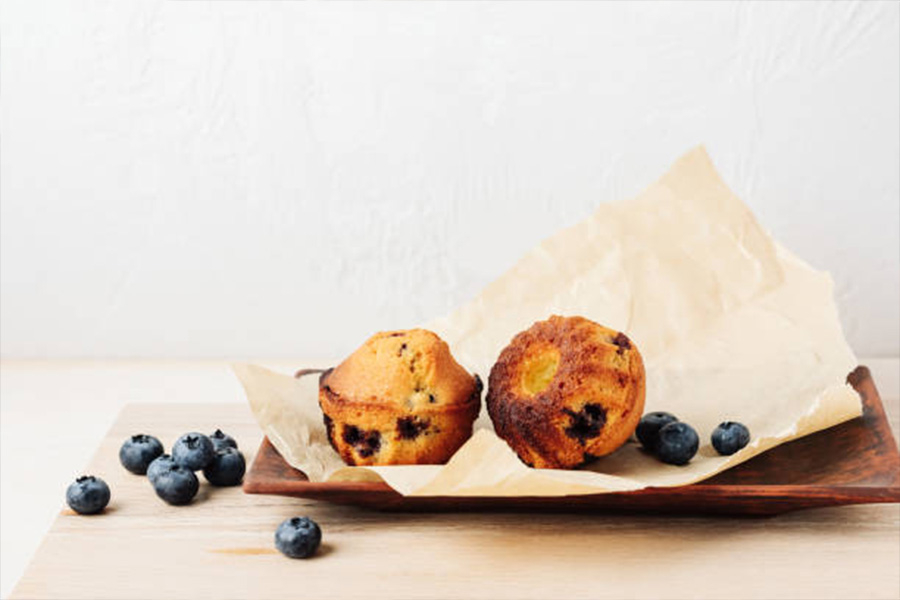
[(221, 546), (854, 463)]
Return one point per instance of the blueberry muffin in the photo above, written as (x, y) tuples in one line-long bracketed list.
[(399, 399), (566, 391)]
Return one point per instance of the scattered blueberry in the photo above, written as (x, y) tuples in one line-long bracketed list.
[(648, 429), (729, 437), (88, 495), (193, 451), (176, 485), (161, 463), (298, 537), (678, 443), (227, 468), (222, 440), (138, 451)]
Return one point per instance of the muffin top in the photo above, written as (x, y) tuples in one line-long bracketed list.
[(572, 351), (411, 369)]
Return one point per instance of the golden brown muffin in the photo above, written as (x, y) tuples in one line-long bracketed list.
[(401, 398), (566, 391)]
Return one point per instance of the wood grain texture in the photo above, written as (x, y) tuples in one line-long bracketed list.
[(221, 546), (856, 462)]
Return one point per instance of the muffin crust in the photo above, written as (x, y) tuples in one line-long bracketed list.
[(566, 391)]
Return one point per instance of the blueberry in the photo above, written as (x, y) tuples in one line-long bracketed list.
[(222, 440), (648, 429), (227, 468), (138, 451), (298, 537), (678, 443), (176, 485), (193, 451), (729, 437), (88, 495), (160, 463)]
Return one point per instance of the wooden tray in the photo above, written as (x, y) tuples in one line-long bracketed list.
[(856, 462)]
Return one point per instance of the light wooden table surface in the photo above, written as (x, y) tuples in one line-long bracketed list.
[(53, 415)]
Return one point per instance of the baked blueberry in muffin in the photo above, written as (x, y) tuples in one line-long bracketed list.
[(566, 391), (400, 398)]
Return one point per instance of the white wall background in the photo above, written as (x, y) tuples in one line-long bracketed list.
[(281, 179)]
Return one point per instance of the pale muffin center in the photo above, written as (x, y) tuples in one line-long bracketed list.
[(539, 369)]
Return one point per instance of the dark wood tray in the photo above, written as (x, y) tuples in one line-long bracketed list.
[(856, 462)]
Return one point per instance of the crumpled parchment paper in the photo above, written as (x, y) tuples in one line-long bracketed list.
[(731, 326)]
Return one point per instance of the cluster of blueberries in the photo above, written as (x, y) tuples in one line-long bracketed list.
[(173, 477), (174, 480), (676, 443)]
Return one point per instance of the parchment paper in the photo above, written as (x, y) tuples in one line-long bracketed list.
[(731, 326)]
